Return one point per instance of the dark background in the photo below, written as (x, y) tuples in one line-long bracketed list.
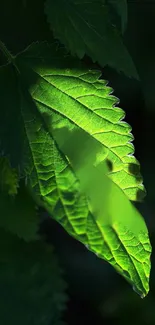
[(98, 295)]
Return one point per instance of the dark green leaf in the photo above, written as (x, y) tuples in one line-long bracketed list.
[(121, 9), (86, 28)]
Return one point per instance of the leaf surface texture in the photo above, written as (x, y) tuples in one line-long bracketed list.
[(56, 93), (86, 28)]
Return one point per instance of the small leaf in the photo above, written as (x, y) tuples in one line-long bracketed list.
[(18, 210), (8, 177), (86, 28), (19, 215)]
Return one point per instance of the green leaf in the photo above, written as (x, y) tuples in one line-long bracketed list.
[(113, 228), (121, 9), (8, 177), (62, 86), (19, 214), (86, 28), (32, 290), (87, 158), (56, 92), (18, 210)]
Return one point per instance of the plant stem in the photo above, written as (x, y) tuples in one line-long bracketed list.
[(6, 53)]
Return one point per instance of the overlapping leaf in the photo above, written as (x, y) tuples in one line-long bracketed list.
[(54, 93), (112, 228), (86, 28), (75, 97)]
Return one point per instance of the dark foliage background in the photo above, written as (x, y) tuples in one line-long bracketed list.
[(98, 295)]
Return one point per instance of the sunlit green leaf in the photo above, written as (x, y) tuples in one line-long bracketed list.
[(54, 91), (113, 228)]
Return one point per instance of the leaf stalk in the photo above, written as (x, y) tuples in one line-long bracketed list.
[(5, 51), (8, 55)]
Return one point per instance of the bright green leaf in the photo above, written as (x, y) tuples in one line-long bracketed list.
[(113, 228), (68, 96), (86, 28), (88, 160), (55, 92), (32, 290)]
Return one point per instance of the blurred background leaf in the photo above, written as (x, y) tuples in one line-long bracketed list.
[(32, 289), (19, 214), (119, 10), (87, 28)]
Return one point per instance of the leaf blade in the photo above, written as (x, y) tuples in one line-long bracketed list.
[(51, 92), (87, 29), (82, 91), (121, 8)]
